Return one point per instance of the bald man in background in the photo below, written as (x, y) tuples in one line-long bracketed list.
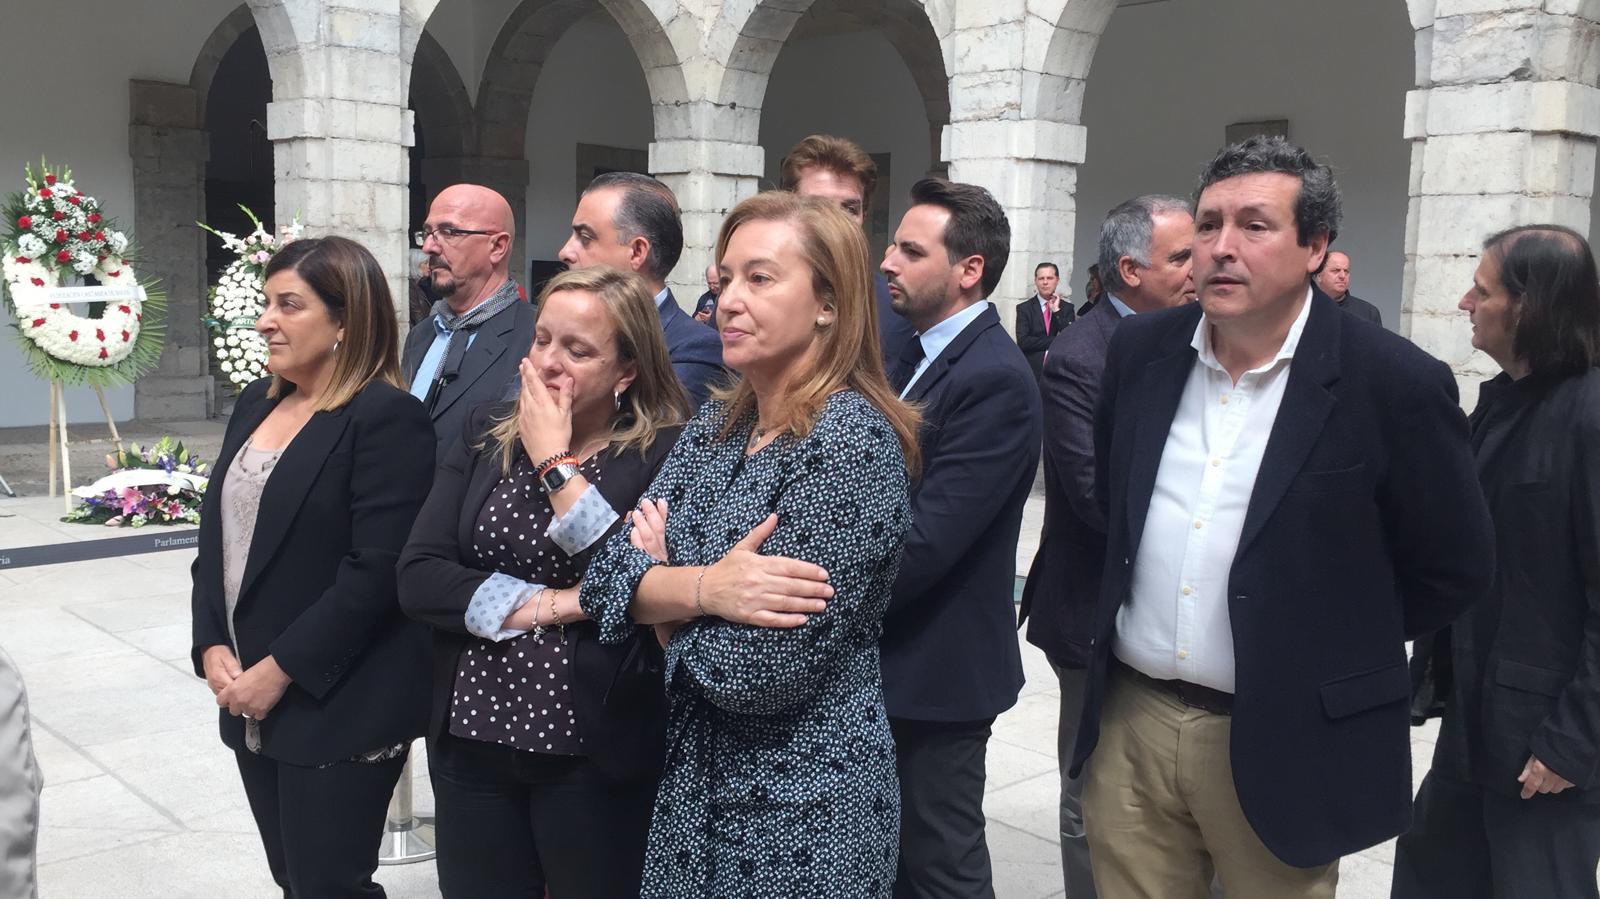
[(466, 352)]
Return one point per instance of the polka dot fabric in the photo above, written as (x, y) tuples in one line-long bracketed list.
[(518, 692), (780, 778)]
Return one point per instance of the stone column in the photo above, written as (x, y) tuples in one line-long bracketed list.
[(1031, 167), (709, 178), (340, 129), (169, 152), (1503, 128)]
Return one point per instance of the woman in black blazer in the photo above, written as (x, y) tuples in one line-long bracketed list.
[(322, 681), (545, 744)]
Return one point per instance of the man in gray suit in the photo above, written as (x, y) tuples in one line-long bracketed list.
[(1145, 247), (20, 784), (466, 352)]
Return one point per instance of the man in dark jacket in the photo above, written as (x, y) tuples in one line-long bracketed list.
[(949, 645), (1146, 243), (1334, 280), (1042, 316), (1511, 806), (1289, 497)]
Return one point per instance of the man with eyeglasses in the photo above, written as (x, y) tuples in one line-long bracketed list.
[(466, 352)]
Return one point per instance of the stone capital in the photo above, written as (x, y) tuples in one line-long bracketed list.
[(1034, 139)]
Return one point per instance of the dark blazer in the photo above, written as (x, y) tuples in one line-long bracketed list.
[(949, 638), (1526, 661), (318, 592), (1366, 527), (488, 369), (893, 329), (1351, 304), (1063, 587), (619, 692), (1033, 337), (695, 351)]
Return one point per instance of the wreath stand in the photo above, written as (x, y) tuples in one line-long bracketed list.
[(59, 442)]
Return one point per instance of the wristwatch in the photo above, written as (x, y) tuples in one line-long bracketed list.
[(558, 476)]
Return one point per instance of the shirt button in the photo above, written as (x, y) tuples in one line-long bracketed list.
[(1216, 463), (1187, 590), (1183, 653), (1224, 399), (1198, 524)]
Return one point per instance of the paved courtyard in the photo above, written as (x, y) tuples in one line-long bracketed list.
[(142, 801)]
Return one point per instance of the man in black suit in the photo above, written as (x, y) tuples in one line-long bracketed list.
[(1290, 496), (1042, 316), (1145, 245), (837, 169), (949, 646), (631, 222), (1334, 280), (466, 352)]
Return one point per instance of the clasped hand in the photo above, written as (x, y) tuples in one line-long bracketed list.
[(743, 586), (251, 693), (1536, 778)]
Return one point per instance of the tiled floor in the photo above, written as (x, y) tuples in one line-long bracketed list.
[(142, 801)]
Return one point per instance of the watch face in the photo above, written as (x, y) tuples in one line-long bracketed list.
[(557, 477)]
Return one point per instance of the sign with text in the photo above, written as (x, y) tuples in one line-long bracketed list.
[(94, 294)]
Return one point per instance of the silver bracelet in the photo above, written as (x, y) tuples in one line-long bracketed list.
[(699, 579), (538, 629)]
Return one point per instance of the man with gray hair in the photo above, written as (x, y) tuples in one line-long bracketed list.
[(631, 221), (1145, 248), (1288, 498)]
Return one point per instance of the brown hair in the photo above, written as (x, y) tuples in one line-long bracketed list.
[(848, 356), (654, 400), (837, 155), (348, 280)]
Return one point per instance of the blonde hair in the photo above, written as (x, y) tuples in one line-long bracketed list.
[(654, 400), (349, 281), (847, 353)]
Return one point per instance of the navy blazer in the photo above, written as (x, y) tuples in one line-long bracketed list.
[(1366, 527), (1033, 336), (950, 636), (1063, 587), (695, 351), (488, 369), (318, 591)]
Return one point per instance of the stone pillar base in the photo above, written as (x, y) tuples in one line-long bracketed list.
[(174, 397)]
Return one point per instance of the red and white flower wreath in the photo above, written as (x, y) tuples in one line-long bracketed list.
[(57, 232)]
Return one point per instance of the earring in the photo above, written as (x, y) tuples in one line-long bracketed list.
[(616, 399), (822, 321), (336, 346)]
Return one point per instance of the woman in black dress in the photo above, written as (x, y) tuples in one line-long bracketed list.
[(545, 745), (767, 551)]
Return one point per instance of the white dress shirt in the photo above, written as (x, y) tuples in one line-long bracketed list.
[(1175, 624), (936, 338)]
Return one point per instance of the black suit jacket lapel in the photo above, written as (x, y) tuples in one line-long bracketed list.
[(246, 418), (487, 347), (1307, 401), (941, 364), (1163, 382), (483, 475), (417, 343), (297, 469)]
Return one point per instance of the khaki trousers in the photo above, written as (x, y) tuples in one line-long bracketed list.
[(1162, 813)]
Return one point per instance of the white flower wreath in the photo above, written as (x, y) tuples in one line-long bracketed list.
[(55, 232), (237, 300)]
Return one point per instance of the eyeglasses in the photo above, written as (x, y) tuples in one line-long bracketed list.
[(446, 235)]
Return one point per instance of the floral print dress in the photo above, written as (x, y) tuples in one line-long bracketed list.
[(780, 772)]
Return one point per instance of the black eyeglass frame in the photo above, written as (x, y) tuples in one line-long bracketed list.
[(445, 234)]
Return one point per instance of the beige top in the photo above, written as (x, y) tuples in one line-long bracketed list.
[(241, 500)]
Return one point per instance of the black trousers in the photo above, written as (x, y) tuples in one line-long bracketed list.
[(1467, 842), (943, 852), (512, 823), (321, 827)]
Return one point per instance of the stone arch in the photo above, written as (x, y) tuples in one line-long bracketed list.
[(280, 37), (445, 120), (216, 46), (764, 28), (523, 45), (1058, 56)]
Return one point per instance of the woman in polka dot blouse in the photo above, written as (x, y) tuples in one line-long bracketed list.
[(545, 744), (764, 556)]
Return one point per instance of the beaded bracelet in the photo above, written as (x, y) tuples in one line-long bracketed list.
[(557, 459), (556, 616)]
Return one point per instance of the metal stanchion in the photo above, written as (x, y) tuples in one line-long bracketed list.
[(407, 838)]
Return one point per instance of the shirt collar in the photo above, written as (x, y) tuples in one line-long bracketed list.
[(1123, 309), (1202, 340), (936, 338), (661, 298)]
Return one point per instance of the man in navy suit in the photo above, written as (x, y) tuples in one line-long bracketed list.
[(1042, 316), (1289, 496), (1145, 248), (949, 646), (837, 169), (466, 351), (631, 221)]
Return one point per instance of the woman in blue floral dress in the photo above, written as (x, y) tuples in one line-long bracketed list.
[(764, 553)]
